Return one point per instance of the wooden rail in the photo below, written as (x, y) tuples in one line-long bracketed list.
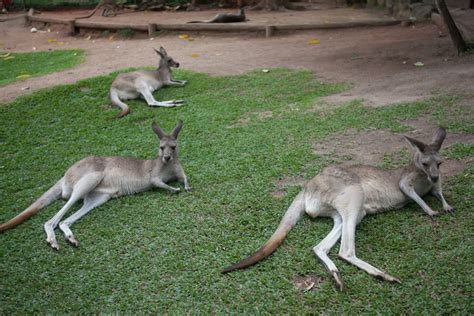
[(151, 28)]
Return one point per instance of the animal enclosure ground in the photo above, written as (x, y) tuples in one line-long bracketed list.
[(159, 252), (20, 66)]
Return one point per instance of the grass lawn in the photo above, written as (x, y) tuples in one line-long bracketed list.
[(18, 66), (159, 252)]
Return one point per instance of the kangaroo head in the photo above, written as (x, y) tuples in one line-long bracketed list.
[(426, 156), (166, 61), (168, 143)]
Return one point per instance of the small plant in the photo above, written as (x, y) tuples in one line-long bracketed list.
[(126, 33)]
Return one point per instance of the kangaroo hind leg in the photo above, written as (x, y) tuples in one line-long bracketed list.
[(91, 201), (86, 184), (350, 208), (322, 249)]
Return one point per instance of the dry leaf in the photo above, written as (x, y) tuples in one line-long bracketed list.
[(194, 55), (314, 41), (184, 36)]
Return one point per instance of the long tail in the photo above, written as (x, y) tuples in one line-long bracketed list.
[(203, 21), (117, 102), (90, 14), (291, 217), (53, 194)]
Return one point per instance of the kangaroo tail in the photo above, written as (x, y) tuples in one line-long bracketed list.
[(291, 217), (117, 102), (90, 14), (198, 21), (53, 194)]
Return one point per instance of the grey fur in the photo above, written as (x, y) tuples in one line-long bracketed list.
[(143, 83), (349, 193), (99, 179)]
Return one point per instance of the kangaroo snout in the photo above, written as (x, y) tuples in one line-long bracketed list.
[(434, 179)]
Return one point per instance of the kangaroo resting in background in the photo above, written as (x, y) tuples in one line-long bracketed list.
[(348, 193), (107, 5), (225, 18), (98, 179), (142, 83)]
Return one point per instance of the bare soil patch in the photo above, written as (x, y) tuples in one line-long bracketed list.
[(372, 147)]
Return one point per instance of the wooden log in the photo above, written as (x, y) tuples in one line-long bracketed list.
[(151, 29), (71, 26), (269, 31), (47, 20), (111, 26)]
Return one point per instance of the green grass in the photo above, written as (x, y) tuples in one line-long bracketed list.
[(37, 64), (158, 252)]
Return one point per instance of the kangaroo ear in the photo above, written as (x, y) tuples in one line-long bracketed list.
[(416, 144), (177, 129), (438, 138), (157, 130), (158, 52), (163, 51)]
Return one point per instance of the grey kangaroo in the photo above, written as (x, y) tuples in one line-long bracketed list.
[(225, 18), (98, 179), (348, 193), (142, 83), (108, 6)]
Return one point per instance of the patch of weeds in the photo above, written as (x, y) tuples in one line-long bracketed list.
[(126, 33), (21, 66), (460, 151)]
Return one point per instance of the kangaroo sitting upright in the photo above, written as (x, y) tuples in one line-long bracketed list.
[(348, 193), (98, 179), (142, 83)]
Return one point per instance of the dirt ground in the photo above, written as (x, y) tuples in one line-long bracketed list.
[(377, 60)]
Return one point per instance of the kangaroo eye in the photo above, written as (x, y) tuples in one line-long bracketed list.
[(173, 147), (162, 148), (439, 163), (425, 164)]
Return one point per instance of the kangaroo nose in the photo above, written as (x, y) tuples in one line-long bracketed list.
[(177, 65), (434, 179), (167, 158)]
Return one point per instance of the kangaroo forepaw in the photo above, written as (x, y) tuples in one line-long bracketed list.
[(450, 210), (188, 189), (337, 277)]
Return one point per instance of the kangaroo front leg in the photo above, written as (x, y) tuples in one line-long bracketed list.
[(322, 249), (172, 82), (437, 191), (408, 189), (80, 189), (160, 184), (347, 251), (91, 201), (183, 179)]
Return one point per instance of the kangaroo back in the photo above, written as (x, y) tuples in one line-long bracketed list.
[(53, 194), (291, 217)]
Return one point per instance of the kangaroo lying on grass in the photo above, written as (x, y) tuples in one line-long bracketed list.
[(225, 18), (142, 83), (348, 193), (98, 179)]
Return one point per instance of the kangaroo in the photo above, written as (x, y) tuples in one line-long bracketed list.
[(348, 193), (99, 179), (225, 18), (142, 83), (107, 5)]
